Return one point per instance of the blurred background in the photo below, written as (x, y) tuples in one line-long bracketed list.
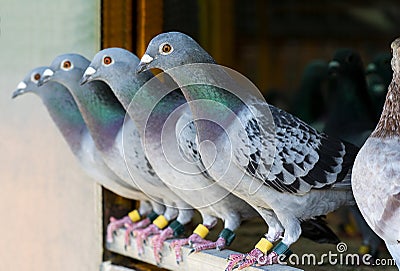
[(52, 214)]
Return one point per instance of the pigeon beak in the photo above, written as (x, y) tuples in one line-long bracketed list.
[(47, 74), (21, 89), (334, 64), (87, 76), (371, 68), (333, 67), (144, 63)]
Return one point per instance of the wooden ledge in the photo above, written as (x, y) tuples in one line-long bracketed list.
[(210, 260)]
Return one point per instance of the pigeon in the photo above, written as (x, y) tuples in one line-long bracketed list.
[(66, 115), (350, 110), (351, 117), (104, 117), (376, 174), (116, 67), (379, 75), (310, 100), (288, 171)]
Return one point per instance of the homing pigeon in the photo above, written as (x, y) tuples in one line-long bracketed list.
[(288, 171), (65, 113)]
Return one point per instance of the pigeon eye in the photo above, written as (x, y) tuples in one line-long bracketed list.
[(36, 77), (349, 58), (165, 49), (107, 60), (66, 65)]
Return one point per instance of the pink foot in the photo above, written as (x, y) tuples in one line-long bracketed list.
[(251, 258), (233, 260), (130, 227), (142, 234), (178, 244), (271, 258), (114, 225), (158, 242), (256, 257), (196, 239), (219, 244)]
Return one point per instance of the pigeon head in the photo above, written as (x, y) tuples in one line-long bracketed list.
[(65, 68), (30, 82), (111, 65), (346, 62), (347, 74), (172, 49), (380, 64), (379, 75)]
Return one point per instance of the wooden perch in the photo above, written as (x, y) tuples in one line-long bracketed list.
[(210, 260)]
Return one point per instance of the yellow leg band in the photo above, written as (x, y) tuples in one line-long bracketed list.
[(134, 215), (264, 245), (160, 222), (201, 231)]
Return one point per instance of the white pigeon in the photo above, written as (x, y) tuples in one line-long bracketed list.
[(376, 171)]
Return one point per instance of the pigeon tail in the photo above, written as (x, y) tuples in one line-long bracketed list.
[(317, 230)]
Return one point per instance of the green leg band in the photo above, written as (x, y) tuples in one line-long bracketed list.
[(228, 235), (177, 228), (152, 216), (281, 248)]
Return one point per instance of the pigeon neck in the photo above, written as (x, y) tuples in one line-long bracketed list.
[(65, 113), (149, 107), (162, 111), (350, 94), (389, 123), (212, 108), (102, 112), (207, 89)]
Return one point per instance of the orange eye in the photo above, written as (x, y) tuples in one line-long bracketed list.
[(166, 48), (107, 60), (67, 64), (36, 77)]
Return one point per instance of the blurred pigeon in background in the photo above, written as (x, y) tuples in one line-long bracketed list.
[(311, 99), (379, 75), (351, 117)]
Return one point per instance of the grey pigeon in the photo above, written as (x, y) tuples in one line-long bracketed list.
[(116, 67), (105, 118), (350, 114), (306, 173), (376, 171), (66, 115)]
